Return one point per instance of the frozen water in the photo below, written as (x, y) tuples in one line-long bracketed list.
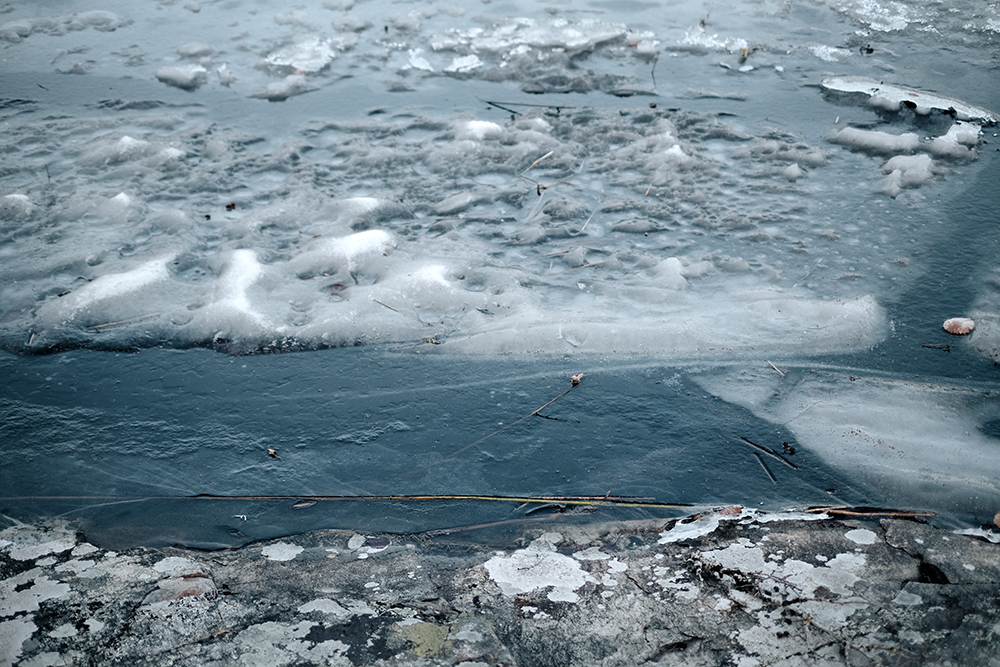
[(751, 184)]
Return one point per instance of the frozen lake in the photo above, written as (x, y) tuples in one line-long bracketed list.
[(742, 222)]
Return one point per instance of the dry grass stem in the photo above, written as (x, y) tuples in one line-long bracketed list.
[(536, 162)]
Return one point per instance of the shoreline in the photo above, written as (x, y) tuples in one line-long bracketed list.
[(729, 587)]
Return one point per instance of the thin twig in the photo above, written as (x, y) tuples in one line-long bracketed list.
[(588, 219), (539, 186), (536, 162), (387, 306), (500, 430), (764, 466), (780, 372), (769, 452), (557, 107), (569, 500)]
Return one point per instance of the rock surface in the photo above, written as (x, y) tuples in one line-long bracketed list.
[(727, 588)]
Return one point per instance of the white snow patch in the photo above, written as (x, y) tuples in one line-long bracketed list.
[(861, 536), (281, 551), (539, 566), (175, 565)]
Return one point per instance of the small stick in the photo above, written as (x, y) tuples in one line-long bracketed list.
[(32, 339), (501, 430), (780, 372), (536, 162), (803, 412), (764, 466), (574, 386), (647, 190), (845, 510), (588, 219), (557, 107), (389, 307), (771, 453), (557, 252), (652, 72)]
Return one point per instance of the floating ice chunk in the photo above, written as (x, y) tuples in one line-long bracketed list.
[(893, 97), (417, 61), (185, 77), (311, 54), (829, 54), (291, 85), (226, 77), (194, 50), (699, 37), (907, 171), (874, 142), (792, 172), (464, 64), (477, 130), (102, 21), (959, 142), (16, 207), (517, 36)]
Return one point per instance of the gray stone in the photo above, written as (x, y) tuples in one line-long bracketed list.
[(726, 588)]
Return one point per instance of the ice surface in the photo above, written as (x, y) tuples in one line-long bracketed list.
[(900, 435), (485, 180)]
